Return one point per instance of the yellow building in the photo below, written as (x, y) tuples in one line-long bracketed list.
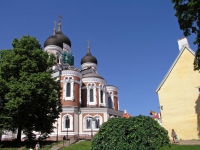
[(179, 95)]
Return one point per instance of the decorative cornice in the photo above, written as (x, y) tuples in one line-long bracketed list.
[(93, 79), (72, 73), (111, 88), (88, 64), (56, 74), (52, 47)]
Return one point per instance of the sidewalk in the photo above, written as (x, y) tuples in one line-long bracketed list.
[(188, 142)]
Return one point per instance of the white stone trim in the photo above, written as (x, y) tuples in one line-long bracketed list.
[(92, 86), (111, 88), (93, 79), (68, 79), (92, 123), (101, 87), (88, 64), (53, 47), (71, 73)]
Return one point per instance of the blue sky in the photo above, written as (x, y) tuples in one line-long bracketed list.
[(135, 42)]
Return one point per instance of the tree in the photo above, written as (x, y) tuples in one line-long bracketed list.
[(140, 132), (29, 95), (188, 14)]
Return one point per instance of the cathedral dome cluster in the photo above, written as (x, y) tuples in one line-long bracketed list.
[(84, 91)]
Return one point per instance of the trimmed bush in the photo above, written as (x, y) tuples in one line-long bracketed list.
[(135, 133)]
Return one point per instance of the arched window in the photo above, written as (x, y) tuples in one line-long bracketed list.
[(109, 102), (88, 123), (93, 122), (101, 94), (97, 123), (91, 95), (68, 89), (67, 122)]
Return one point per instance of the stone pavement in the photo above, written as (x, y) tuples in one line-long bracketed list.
[(188, 142)]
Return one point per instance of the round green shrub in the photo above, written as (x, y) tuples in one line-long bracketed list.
[(135, 133)]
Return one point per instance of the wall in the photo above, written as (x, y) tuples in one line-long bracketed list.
[(179, 98)]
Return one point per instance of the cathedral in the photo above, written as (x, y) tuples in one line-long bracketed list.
[(87, 100)]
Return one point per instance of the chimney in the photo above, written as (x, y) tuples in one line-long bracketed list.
[(182, 42)]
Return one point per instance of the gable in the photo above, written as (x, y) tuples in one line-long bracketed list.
[(184, 53)]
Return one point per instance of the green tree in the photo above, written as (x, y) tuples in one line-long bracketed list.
[(188, 14), (28, 93), (139, 133)]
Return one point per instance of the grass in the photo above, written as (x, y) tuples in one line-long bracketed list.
[(181, 147), (85, 145)]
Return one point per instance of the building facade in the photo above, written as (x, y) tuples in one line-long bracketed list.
[(179, 95), (87, 100)]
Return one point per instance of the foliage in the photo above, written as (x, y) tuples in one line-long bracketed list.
[(140, 132), (188, 14), (29, 96)]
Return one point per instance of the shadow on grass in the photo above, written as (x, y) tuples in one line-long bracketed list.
[(31, 144)]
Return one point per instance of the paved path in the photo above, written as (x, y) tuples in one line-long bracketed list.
[(188, 142)]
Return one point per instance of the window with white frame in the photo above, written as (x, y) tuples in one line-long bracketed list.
[(110, 102), (67, 122), (68, 93), (91, 94), (68, 89), (101, 96), (94, 122)]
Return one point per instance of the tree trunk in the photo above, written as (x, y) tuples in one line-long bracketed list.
[(19, 134)]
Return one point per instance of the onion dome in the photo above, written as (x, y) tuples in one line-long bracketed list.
[(88, 58), (58, 38)]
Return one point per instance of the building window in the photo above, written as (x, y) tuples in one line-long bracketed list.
[(68, 89), (67, 122), (97, 123), (109, 102), (88, 123), (91, 95), (94, 122), (101, 94)]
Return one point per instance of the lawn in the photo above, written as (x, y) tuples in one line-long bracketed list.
[(85, 145)]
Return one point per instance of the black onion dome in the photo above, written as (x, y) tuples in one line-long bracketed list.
[(53, 40), (63, 38), (57, 39), (88, 58)]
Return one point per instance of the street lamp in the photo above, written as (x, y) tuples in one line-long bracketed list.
[(92, 119), (79, 112), (57, 132), (67, 125)]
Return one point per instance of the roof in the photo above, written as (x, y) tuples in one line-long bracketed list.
[(172, 66), (88, 58), (93, 75)]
